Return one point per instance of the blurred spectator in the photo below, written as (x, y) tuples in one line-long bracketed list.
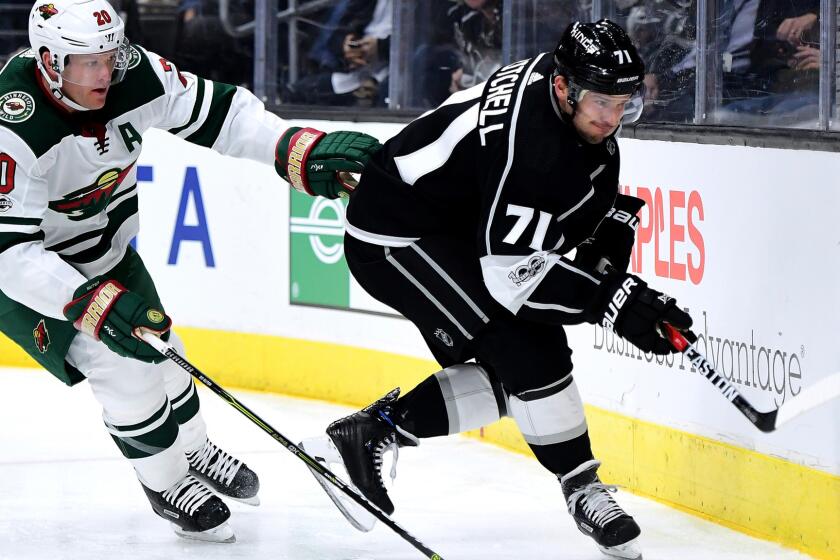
[(477, 31), (786, 60), (14, 15), (350, 57), (664, 33), (440, 74), (662, 30), (462, 47), (203, 46), (672, 91), (130, 14)]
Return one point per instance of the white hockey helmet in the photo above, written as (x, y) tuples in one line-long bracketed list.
[(77, 27)]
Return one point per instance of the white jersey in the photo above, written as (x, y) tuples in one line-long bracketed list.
[(68, 186)]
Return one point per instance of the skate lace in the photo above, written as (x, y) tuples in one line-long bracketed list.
[(597, 502), (224, 468), (187, 495), (388, 443)]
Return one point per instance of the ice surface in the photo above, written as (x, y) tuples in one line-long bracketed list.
[(66, 493)]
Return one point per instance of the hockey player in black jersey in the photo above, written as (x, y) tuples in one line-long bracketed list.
[(464, 222)]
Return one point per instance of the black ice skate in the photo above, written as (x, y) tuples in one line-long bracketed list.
[(597, 514), (357, 443), (194, 511), (225, 474)]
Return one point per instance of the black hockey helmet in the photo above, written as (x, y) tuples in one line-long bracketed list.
[(601, 57)]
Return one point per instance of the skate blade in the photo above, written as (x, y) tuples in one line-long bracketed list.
[(252, 501), (627, 551), (323, 450), (220, 534)]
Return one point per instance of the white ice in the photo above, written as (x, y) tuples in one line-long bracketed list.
[(66, 493)]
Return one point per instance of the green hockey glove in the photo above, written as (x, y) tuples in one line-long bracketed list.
[(105, 310), (320, 164)]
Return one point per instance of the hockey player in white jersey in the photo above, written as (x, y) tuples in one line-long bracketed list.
[(464, 222), (73, 293)]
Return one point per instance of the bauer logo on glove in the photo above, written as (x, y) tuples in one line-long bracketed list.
[(626, 306)]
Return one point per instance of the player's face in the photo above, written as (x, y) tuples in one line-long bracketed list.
[(87, 77), (598, 115)]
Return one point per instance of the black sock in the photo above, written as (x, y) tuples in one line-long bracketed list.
[(422, 411), (563, 458)]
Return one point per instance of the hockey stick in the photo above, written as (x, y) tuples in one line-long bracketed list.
[(812, 397), (314, 465)]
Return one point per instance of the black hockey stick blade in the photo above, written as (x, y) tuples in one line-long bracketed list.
[(683, 341), (168, 351), (821, 392)]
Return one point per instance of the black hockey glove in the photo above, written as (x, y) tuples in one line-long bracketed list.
[(614, 238), (627, 306), (105, 310), (319, 164)]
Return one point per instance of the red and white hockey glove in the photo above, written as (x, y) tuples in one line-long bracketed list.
[(319, 164), (105, 310)]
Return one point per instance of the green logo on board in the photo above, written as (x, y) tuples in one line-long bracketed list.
[(318, 271)]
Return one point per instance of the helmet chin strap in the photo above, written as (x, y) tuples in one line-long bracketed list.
[(64, 99), (55, 90)]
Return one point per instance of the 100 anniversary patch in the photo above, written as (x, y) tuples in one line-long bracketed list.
[(16, 107)]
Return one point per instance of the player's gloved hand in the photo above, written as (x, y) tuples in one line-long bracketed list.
[(105, 310), (627, 306), (319, 164), (614, 238)]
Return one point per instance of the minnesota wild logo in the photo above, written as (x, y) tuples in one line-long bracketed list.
[(16, 107), (92, 199), (41, 336), (47, 10), (133, 58)]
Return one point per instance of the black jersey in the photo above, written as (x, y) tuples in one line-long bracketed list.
[(497, 164)]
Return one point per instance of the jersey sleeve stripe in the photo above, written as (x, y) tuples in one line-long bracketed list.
[(21, 221), (10, 239), (552, 307), (199, 101), (571, 210), (576, 270), (73, 241), (220, 103), (378, 239), (511, 137), (432, 156), (206, 102)]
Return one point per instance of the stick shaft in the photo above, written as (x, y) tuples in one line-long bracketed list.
[(170, 353), (684, 342)]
